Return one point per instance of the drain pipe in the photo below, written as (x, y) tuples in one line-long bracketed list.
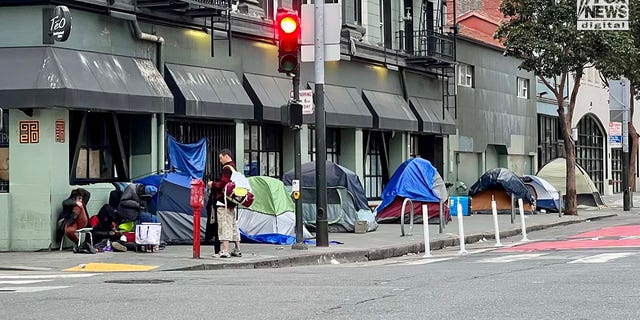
[(159, 41)]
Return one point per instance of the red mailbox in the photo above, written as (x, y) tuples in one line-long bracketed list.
[(197, 201)]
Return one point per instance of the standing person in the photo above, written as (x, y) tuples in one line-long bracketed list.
[(227, 224)]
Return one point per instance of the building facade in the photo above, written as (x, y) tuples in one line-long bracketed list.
[(97, 108)]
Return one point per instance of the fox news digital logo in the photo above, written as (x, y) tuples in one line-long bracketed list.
[(603, 14)]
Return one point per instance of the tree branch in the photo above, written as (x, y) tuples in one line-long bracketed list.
[(574, 95), (546, 83)]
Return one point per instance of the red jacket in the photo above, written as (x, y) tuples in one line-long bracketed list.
[(225, 178)]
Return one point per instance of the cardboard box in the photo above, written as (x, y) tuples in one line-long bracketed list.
[(361, 226)]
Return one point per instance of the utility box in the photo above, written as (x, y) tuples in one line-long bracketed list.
[(361, 226)]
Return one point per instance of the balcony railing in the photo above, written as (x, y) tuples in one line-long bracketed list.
[(195, 8), (428, 47)]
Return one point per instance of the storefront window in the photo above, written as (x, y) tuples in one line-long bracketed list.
[(375, 163), (97, 150), (333, 144), (4, 152), (263, 150)]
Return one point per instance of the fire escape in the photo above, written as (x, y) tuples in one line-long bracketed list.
[(211, 13), (433, 46)]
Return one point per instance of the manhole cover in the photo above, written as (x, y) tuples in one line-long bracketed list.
[(138, 281)]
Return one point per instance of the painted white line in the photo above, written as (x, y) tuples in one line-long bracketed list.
[(425, 261), (30, 289), (511, 258), (47, 276), (23, 281), (604, 257)]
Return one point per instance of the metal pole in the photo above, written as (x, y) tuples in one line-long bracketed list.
[(513, 210), (625, 150), (299, 245), (322, 232)]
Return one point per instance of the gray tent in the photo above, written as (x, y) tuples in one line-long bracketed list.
[(346, 200)]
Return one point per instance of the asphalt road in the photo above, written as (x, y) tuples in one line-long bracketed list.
[(590, 283)]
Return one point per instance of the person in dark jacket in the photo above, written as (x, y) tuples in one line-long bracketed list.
[(104, 228), (133, 207), (74, 214)]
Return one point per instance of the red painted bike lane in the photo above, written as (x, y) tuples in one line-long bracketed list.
[(610, 237)]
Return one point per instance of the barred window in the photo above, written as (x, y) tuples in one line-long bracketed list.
[(4, 152), (263, 150), (333, 144)]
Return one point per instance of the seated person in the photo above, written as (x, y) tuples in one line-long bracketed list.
[(104, 228), (74, 214), (133, 204)]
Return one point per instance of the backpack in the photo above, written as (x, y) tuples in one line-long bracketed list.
[(238, 191)]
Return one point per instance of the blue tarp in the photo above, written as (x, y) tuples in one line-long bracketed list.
[(189, 159), (414, 180)]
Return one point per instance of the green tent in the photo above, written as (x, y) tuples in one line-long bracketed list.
[(271, 218)]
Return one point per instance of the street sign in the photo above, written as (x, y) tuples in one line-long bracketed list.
[(306, 99), (615, 134), (332, 27)]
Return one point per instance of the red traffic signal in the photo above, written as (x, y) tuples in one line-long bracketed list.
[(287, 26)]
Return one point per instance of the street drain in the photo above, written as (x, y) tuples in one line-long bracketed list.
[(7, 290), (138, 281)]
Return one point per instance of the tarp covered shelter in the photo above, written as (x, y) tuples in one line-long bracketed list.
[(416, 179), (173, 207), (346, 200), (500, 183), (271, 218), (547, 196), (173, 200), (555, 172)]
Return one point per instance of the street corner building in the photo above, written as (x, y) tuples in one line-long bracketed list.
[(92, 105)]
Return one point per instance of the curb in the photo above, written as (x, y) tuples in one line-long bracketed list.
[(364, 255)]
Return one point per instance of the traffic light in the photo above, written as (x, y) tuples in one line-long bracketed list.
[(288, 29)]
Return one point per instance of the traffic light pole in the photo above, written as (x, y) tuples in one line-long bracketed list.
[(299, 245), (322, 231)]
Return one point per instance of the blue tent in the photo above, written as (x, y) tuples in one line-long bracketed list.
[(415, 179), (172, 203), (173, 208)]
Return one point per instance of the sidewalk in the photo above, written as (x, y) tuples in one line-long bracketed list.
[(384, 243)]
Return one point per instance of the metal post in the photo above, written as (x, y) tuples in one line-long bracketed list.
[(299, 245), (496, 227), (625, 150), (441, 226), (322, 232), (522, 221), (463, 250), (513, 210), (425, 227)]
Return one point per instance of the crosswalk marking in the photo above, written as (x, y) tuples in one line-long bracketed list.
[(425, 261), (19, 283), (46, 276), (30, 289), (604, 257), (24, 281), (511, 258)]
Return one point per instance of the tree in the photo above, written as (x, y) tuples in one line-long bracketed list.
[(617, 64), (543, 33)]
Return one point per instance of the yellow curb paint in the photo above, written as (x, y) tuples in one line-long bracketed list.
[(110, 267)]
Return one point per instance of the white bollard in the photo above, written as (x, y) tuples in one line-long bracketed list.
[(425, 226), (496, 228), (461, 229), (522, 223)]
